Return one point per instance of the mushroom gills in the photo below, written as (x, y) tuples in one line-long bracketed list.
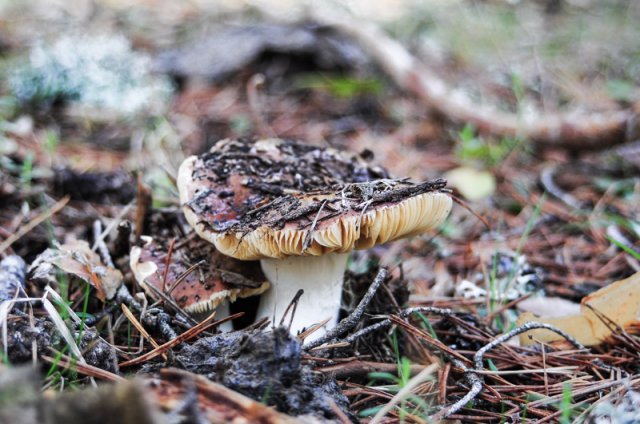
[(321, 279), (222, 311)]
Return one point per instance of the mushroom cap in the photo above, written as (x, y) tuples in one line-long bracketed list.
[(276, 198), (219, 277)]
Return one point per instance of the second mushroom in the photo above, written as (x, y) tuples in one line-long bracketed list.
[(301, 209)]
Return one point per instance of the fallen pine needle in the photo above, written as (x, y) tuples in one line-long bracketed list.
[(313, 329), (34, 223), (552, 370), (138, 326), (85, 369), (189, 334)]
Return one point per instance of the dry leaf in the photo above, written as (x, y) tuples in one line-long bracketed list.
[(471, 183), (618, 302), (549, 306), (77, 258), (141, 270)]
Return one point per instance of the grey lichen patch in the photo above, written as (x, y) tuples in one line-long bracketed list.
[(12, 274), (93, 72)]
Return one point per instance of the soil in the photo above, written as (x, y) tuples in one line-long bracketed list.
[(265, 366)]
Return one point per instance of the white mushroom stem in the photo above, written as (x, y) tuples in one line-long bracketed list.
[(321, 279), (222, 311)]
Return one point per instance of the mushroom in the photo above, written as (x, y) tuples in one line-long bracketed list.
[(199, 278), (301, 209)]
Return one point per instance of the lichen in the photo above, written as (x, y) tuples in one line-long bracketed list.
[(94, 72)]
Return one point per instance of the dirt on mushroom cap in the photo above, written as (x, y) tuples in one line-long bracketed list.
[(265, 199)]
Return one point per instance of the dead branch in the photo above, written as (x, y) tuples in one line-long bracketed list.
[(292, 306), (360, 368), (547, 180), (572, 130), (404, 314), (352, 320)]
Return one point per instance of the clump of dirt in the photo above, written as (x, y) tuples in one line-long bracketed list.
[(23, 336), (265, 366)]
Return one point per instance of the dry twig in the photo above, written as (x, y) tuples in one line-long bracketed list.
[(57, 207), (187, 335), (85, 369), (404, 314), (352, 320), (477, 381)]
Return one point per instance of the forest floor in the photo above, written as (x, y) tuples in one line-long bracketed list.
[(536, 133)]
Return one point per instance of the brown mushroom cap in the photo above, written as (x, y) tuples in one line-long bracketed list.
[(218, 278), (275, 198)]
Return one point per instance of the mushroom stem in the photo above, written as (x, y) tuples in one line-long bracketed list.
[(222, 311), (321, 279)]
